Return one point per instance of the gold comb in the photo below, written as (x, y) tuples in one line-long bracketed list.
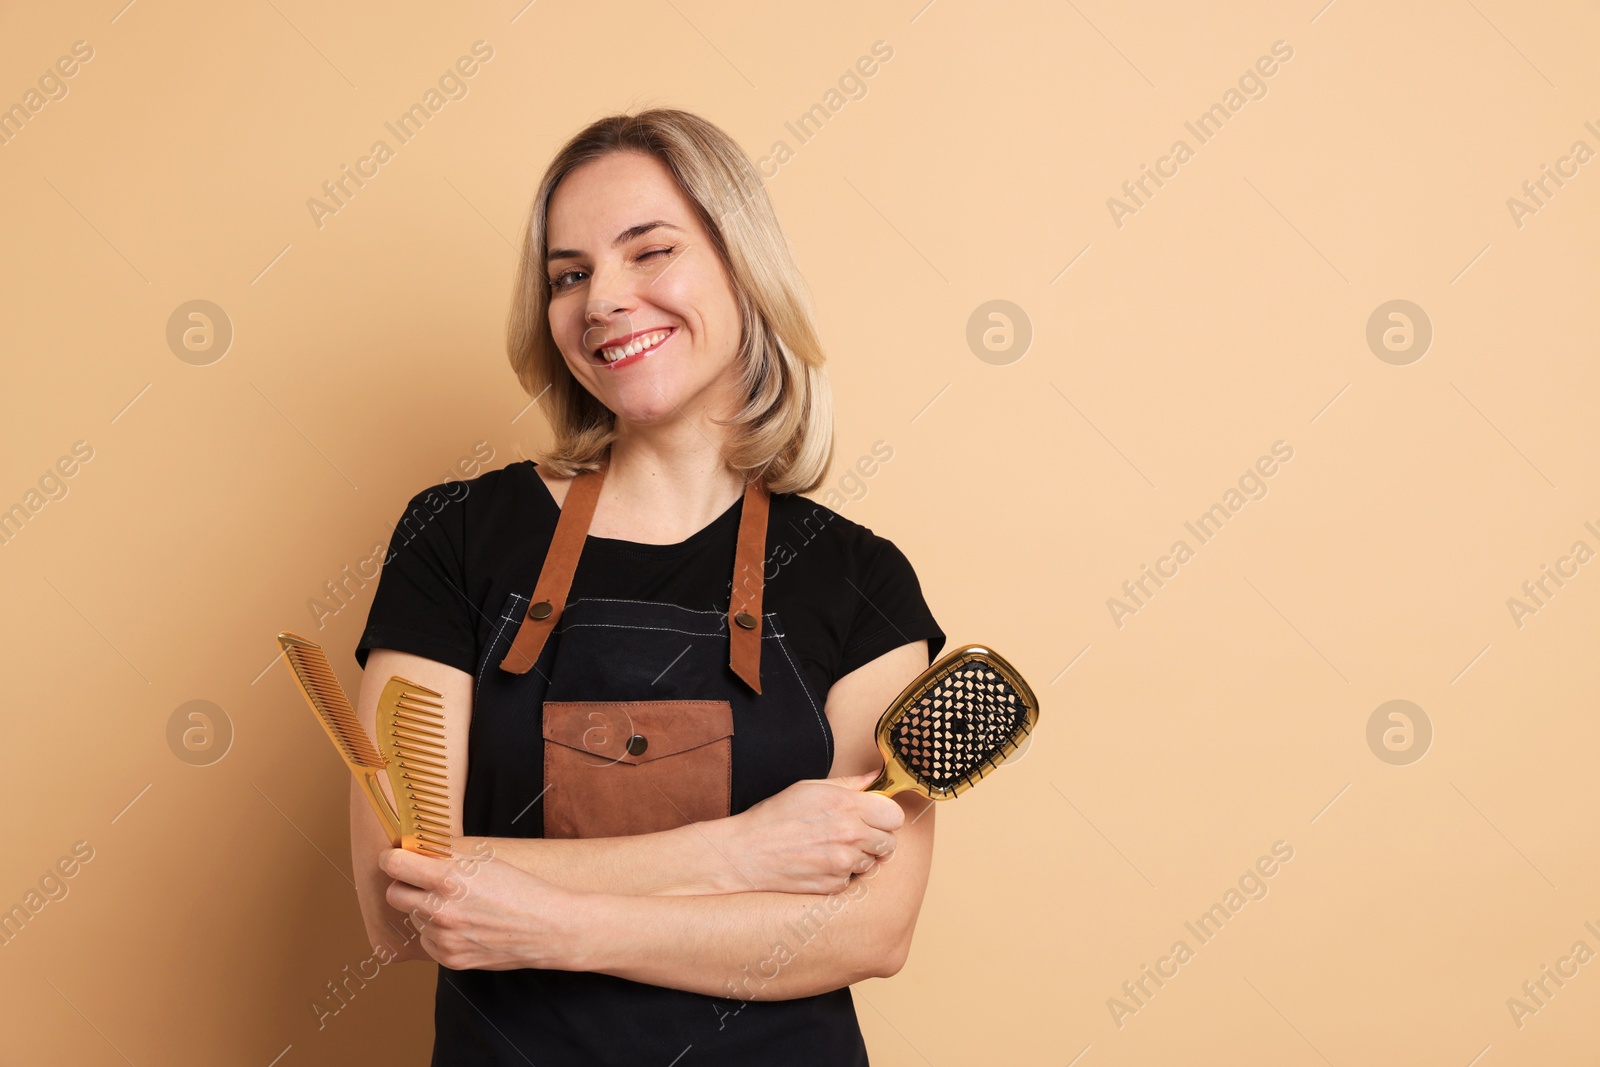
[(411, 734), (957, 721), (316, 679)]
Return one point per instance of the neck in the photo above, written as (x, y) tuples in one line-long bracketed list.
[(670, 478)]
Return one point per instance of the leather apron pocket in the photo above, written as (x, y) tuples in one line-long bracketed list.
[(613, 768)]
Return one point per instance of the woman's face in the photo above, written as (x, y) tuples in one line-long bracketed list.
[(629, 263)]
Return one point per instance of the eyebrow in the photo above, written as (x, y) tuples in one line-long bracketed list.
[(622, 238)]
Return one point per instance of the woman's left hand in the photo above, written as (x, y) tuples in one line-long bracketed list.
[(477, 912)]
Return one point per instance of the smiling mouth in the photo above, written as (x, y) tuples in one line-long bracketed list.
[(616, 355)]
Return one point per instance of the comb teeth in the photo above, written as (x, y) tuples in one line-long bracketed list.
[(411, 727), (322, 689)]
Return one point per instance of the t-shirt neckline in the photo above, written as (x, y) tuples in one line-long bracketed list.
[(689, 543)]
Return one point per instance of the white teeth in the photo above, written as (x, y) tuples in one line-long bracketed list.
[(635, 347)]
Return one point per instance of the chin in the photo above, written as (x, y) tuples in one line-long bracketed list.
[(644, 409)]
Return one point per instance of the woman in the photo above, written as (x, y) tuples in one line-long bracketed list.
[(667, 690)]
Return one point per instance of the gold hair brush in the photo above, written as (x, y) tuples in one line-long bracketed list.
[(410, 731), (957, 721)]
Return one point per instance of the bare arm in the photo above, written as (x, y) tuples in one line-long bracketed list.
[(777, 846), (747, 945), (386, 925)]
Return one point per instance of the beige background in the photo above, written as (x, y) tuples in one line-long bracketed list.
[(1228, 313)]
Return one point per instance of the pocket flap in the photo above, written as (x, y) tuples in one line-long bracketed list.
[(636, 731)]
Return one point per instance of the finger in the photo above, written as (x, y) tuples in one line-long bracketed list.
[(881, 812), (409, 867), (410, 900), (853, 781)]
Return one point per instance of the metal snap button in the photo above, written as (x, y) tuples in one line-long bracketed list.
[(746, 620), (541, 610), (637, 744)]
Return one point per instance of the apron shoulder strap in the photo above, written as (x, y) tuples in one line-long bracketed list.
[(555, 577), (561, 561), (744, 607)]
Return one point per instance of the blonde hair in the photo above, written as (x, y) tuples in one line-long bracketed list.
[(783, 432)]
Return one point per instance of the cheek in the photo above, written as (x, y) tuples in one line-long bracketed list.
[(700, 295), (571, 333), (564, 326), (720, 302)]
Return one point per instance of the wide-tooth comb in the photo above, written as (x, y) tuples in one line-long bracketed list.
[(957, 721), (411, 734), (316, 679)]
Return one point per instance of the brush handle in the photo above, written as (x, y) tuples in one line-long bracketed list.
[(889, 781), (380, 804)]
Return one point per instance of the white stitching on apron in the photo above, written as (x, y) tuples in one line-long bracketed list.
[(827, 744), (655, 603), (488, 654), (668, 629)]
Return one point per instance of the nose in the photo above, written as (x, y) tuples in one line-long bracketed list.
[(610, 289), (608, 310), (604, 320)]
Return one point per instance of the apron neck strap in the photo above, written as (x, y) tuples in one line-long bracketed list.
[(561, 561), (744, 606), (555, 577)]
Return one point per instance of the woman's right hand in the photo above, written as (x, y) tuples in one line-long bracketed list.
[(812, 836)]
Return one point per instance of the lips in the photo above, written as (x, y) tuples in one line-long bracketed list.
[(635, 346)]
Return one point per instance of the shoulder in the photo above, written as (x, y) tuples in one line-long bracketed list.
[(483, 488), (795, 518), (851, 589), (802, 528), (464, 510)]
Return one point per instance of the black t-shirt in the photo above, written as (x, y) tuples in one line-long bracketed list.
[(845, 594)]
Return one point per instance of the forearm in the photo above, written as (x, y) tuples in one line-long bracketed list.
[(690, 860), (388, 928), (751, 946)]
